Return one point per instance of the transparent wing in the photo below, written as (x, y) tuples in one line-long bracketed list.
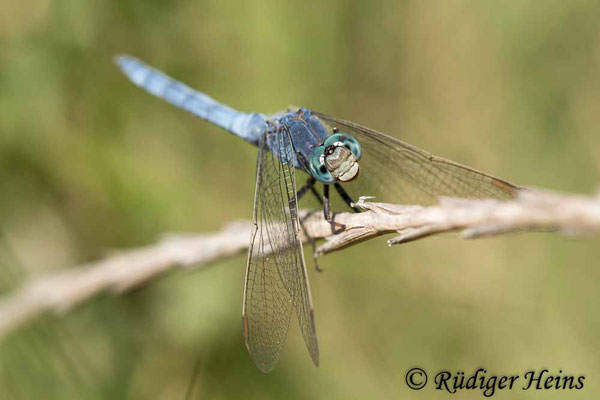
[(276, 279), (396, 172)]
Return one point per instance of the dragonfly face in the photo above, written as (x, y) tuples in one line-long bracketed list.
[(336, 159)]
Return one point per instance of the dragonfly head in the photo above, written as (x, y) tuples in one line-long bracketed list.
[(336, 159)]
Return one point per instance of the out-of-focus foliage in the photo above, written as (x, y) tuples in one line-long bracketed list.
[(89, 163)]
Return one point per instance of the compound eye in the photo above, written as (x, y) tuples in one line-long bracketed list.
[(347, 140), (317, 165)]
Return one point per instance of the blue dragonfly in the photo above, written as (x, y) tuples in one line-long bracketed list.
[(330, 152)]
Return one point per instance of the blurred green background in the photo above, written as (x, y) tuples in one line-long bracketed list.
[(90, 163)]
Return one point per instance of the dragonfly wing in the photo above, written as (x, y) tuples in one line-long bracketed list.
[(276, 279), (397, 172)]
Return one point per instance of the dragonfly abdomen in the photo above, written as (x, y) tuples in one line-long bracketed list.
[(248, 126)]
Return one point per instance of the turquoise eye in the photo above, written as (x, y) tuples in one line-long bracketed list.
[(349, 141), (317, 165)]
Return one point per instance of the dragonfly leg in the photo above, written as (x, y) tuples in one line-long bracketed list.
[(310, 183), (344, 195), (327, 211), (317, 195)]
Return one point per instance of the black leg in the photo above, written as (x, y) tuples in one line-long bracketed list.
[(327, 211), (308, 185), (306, 167), (345, 196), (317, 195), (326, 207)]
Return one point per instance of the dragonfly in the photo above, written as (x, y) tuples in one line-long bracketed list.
[(328, 152)]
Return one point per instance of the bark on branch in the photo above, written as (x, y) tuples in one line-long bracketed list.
[(531, 211)]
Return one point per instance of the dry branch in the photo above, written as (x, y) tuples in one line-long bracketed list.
[(62, 290), (539, 211), (531, 211)]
